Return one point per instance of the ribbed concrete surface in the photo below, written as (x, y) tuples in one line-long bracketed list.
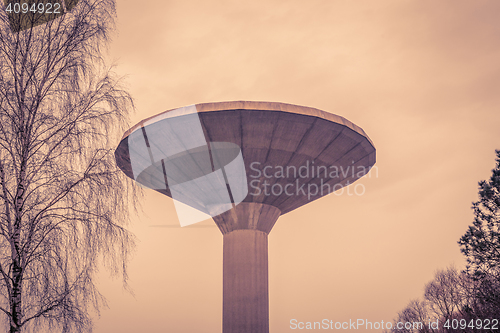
[(248, 215), (269, 134)]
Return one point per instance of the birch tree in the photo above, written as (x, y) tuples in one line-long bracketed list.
[(63, 202)]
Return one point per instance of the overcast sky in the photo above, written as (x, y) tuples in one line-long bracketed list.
[(422, 78)]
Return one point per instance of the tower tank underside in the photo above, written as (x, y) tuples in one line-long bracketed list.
[(290, 159)]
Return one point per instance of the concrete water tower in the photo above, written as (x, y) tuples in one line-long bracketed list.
[(244, 164)]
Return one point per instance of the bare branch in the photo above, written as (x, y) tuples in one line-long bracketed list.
[(63, 202)]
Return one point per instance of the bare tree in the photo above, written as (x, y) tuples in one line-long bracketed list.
[(446, 293), (449, 296), (413, 319), (63, 202)]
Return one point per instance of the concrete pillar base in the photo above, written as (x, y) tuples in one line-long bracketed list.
[(245, 267)]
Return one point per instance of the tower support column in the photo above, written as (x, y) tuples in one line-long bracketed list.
[(245, 282), (245, 230)]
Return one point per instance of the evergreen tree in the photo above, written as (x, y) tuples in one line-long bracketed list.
[(481, 243)]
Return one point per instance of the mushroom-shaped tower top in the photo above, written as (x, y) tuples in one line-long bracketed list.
[(291, 154)]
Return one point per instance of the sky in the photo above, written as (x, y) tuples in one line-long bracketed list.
[(420, 77)]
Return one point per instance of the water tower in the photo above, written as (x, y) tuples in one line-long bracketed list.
[(244, 164)]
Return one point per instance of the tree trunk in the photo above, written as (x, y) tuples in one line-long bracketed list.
[(17, 263), (15, 320)]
